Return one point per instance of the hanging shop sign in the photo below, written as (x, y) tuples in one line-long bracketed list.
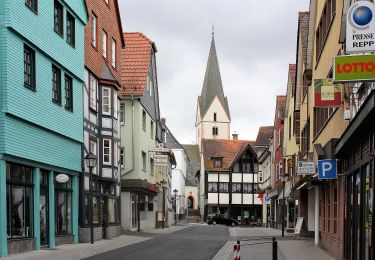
[(354, 68), (62, 178), (360, 27), (161, 160), (306, 168), (326, 93), (327, 169)]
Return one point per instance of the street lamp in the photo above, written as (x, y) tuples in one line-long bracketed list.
[(175, 191), (283, 178), (164, 186), (91, 161)]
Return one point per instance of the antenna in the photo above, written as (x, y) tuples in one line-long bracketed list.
[(213, 30)]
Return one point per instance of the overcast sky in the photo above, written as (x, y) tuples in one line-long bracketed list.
[(255, 42)]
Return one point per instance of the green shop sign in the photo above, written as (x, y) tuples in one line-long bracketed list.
[(354, 68)]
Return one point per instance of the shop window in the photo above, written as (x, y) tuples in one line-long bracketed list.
[(212, 186), (223, 187), (236, 187), (95, 209), (63, 207), (112, 210), (19, 201)]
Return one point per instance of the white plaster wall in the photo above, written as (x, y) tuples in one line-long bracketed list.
[(106, 122), (125, 214), (107, 172), (213, 177), (224, 177), (212, 198), (236, 177), (224, 198), (247, 198), (248, 178), (236, 198), (311, 209)]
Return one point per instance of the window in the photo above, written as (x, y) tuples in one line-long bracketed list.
[(247, 188), (68, 93), (236, 187), (305, 137), (33, 4), (246, 166), (113, 211), (152, 130), (104, 44), (143, 161), (70, 29), (107, 151), (106, 100), (122, 157), (144, 120), (260, 177), (19, 188), (93, 30), (321, 117), (215, 131), (290, 127), (113, 53), (56, 84), (212, 186), (29, 67), (122, 113), (236, 167), (93, 88), (152, 166), (58, 18), (218, 162), (93, 150), (63, 193), (95, 206), (215, 117), (278, 137), (223, 186), (326, 19)]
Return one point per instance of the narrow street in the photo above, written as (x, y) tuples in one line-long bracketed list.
[(198, 242)]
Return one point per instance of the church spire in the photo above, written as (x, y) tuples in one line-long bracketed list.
[(212, 84)]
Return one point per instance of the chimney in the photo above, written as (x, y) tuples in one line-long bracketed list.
[(235, 136)]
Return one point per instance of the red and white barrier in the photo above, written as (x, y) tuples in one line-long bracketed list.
[(237, 253)]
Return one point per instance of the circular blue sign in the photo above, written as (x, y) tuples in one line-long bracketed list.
[(362, 15)]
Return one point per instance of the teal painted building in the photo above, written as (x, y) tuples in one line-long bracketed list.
[(41, 118)]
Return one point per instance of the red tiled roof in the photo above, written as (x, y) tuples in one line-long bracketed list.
[(226, 149), (136, 59), (264, 134)]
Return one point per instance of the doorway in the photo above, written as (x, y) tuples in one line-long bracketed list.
[(44, 209)]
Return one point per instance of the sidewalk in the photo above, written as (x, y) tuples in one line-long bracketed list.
[(83, 250), (287, 250), (257, 232)]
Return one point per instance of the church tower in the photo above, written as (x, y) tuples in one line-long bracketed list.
[(213, 117)]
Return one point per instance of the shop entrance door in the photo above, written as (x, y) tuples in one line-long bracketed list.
[(44, 214)]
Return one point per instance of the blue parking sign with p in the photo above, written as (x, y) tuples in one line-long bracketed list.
[(327, 169)]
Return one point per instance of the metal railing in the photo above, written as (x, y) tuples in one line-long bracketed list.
[(273, 242)]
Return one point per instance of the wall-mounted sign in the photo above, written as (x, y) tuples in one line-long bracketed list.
[(306, 168), (62, 178), (354, 68), (161, 160), (326, 94), (327, 169), (360, 27)]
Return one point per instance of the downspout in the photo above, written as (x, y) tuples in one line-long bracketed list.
[(132, 168)]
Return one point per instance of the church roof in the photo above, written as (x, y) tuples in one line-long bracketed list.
[(212, 85)]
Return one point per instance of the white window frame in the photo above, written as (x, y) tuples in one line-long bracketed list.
[(93, 87), (104, 44), (115, 105), (113, 53), (122, 157), (93, 148), (94, 30), (122, 113), (107, 105), (109, 151)]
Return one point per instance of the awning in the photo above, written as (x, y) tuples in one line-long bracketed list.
[(286, 194)]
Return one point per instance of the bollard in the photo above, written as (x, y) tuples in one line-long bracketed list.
[(237, 254), (274, 249)]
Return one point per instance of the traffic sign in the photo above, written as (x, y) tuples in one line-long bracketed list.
[(327, 169), (306, 168)]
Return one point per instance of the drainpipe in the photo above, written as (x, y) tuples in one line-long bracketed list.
[(132, 168)]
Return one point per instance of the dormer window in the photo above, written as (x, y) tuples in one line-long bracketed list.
[(218, 162)]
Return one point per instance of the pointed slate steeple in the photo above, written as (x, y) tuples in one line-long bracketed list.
[(212, 85)]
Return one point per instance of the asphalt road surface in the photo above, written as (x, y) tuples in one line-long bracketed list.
[(199, 242)]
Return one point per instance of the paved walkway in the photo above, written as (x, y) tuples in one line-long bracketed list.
[(288, 249), (84, 250)]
